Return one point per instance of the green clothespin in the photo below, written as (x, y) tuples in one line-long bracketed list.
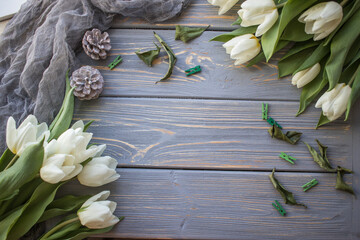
[(116, 61), (310, 184), (271, 121), (193, 70), (280, 208), (264, 111), (288, 158)]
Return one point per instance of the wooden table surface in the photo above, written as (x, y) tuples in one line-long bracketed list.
[(194, 154)]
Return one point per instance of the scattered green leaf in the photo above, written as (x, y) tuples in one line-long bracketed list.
[(286, 195), (170, 53), (321, 159), (340, 183), (291, 137), (149, 56), (186, 34)]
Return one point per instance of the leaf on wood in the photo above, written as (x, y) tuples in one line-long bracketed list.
[(291, 137), (286, 195), (170, 53), (186, 34), (321, 159), (340, 183), (149, 56)]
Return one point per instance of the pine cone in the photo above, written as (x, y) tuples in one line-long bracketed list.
[(95, 44), (88, 83)]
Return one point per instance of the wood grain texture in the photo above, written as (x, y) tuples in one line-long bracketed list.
[(209, 134), (198, 13), (219, 77), (179, 204)]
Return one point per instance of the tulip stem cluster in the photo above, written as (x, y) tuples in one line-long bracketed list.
[(353, 77), (343, 2), (11, 162), (57, 227)]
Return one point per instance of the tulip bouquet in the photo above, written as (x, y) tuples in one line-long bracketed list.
[(323, 47), (40, 160)]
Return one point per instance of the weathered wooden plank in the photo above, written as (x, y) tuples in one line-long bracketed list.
[(356, 167), (215, 134), (224, 205), (198, 13), (219, 77)]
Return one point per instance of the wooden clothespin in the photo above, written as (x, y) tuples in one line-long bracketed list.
[(271, 121), (193, 70), (264, 110), (116, 61), (310, 184), (287, 157), (278, 207)]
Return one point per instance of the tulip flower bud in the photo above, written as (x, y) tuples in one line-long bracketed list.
[(258, 12), (225, 5), (305, 76), (334, 102), (322, 19), (242, 48), (28, 133), (99, 171), (96, 213)]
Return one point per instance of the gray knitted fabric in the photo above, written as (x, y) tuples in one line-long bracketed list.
[(37, 47)]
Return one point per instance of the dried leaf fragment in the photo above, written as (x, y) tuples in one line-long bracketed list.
[(149, 56), (186, 34), (340, 183), (170, 53), (286, 195), (291, 137)]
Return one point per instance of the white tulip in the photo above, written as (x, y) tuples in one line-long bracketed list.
[(225, 5), (303, 77), (334, 102), (96, 213), (99, 171), (28, 133), (242, 48), (63, 156), (322, 19), (258, 12)]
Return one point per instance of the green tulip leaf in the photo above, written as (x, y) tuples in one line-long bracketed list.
[(25, 193), (321, 159), (149, 56), (63, 119), (261, 56), (310, 91), (291, 137), (316, 57), (291, 9), (339, 48), (355, 90), (295, 32), (348, 11), (295, 57), (67, 229), (24, 170), (62, 206), (237, 22), (186, 34), (340, 183), (170, 53), (285, 194), (33, 209), (238, 32), (87, 125), (322, 120), (5, 159)]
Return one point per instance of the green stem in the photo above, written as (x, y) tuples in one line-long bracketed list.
[(57, 227), (11, 162), (282, 4), (354, 76), (343, 2)]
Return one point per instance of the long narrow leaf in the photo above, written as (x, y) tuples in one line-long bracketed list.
[(238, 32), (5, 159)]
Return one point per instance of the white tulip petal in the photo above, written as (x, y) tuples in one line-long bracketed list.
[(78, 124), (306, 76), (51, 174), (11, 134), (268, 22), (100, 196), (31, 119), (341, 102), (76, 169)]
